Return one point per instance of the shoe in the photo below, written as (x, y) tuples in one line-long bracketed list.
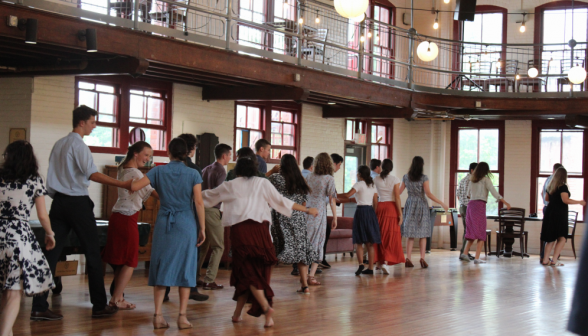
[(359, 269), (325, 264), (424, 263), (211, 286), (479, 261), (199, 283), (106, 312), (182, 325), (319, 271), (464, 258), (157, 325), (47, 315), (295, 272), (385, 269), (197, 296), (368, 272), (166, 298), (471, 257), (408, 263)]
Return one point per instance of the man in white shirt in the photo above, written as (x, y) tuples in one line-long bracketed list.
[(462, 196), (307, 166), (375, 167)]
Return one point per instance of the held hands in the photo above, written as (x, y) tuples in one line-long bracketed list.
[(128, 184), (201, 238), (275, 169), (445, 207), (49, 240)]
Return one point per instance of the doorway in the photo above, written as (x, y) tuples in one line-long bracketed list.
[(354, 157)]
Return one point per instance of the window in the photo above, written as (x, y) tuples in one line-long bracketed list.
[(477, 142), (283, 130), (382, 42), (252, 10), (380, 140), (557, 145), (143, 107)]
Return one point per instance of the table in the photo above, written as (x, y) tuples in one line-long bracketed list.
[(451, 223), (508, 242), (73, 246)]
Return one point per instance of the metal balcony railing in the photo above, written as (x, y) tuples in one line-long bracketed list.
[(313, 35)]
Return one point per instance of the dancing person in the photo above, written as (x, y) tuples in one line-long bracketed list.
[(213, 176), (462, 196), (366, 229), (263, 149), (545, 203), (337, 162), (375, 167), (192, 143), (554, 230), (175, 237), (480, 186), (246, 200), (71, 168), (23, 266), (417, 218), (241, 153), (122, 239), (389, 213), (307, 165), (322, 185), (289, 233)]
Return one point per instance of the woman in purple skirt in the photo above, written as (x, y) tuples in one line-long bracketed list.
[(480, 185)]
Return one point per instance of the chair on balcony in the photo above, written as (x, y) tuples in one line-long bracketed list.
[(537, 81), (511, 68), (170, 15), (124, 9), (482, 67), (565, 67), (316, 48)]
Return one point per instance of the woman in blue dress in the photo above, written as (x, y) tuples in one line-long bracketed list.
[(175, 237)]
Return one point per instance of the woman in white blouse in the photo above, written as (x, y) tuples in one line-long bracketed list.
[(245, 203), (122, 242), (480, 185)]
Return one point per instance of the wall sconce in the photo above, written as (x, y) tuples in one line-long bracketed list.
[(30, 25), (89, 35)]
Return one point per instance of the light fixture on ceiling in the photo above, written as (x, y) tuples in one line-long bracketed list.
[(89, 35), (517, 77), (30, 25), (301, 20), (369, 34), (351, 8), (522, 28), (499, 63), (357, 19), (317, 19), (533, 72), (331, 103), (362, 38), (427, 51), (436, 24), (446, 1)]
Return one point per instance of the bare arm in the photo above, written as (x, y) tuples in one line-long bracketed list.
[(197, 189), (398, 202), (347, 194), (375, 202), (311, 211), (433, 197), (333, 203), (565, 197), (45, 222), (275, 169), (104, 179), (402, 187), (155, 194), (139, 184)]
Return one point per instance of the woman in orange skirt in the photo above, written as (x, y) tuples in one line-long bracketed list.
[(389, 213)]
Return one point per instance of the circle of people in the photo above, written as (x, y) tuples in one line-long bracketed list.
[(292, 229)]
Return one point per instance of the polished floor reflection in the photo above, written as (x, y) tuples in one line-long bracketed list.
[(504, 296)]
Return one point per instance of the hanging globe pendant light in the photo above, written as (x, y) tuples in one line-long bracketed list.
[(577, 75), (351, 8), (427, 51)]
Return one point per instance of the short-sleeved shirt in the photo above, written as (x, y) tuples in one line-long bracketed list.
[(17, 199), (385, 187), (231, 175), (364, 194), (70, 167), (262, 165), (212, 176), (545, 202), (174, 183), (305, 173), (128, 204), (373, 174)]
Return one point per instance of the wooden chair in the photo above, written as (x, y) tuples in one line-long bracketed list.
[(565, 66), (316, 48), (511, 68), (515, 217), (537, 81), (572, 221), (170, 15), (480, 67), (488, 243)]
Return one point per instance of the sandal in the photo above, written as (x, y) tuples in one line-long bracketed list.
[(183, 325), (313, 282), (157, 325), (303, 290), (557, 264), (122, 305)]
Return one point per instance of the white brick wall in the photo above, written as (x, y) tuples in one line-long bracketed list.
[(15, 106)]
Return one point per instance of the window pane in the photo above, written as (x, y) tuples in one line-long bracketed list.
[(107, 108), (468, 148), (287, 117), (275, 115), (349, 131), (88, 98), (288, 129), (374, 134), (253, 117), (288, 140), (276, 139), (155, 110), (100, 137), (489, 147), (573, 146), (156, 138), (351, 165), (276, 128), (383, 152), (87, 86), (549, 151), (241, 116), (375, 152), (576, 187), (382, 134), (242, 138), (105, 88), (253, 137), (137, 108)]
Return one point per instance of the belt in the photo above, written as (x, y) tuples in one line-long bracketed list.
[(171, 216)]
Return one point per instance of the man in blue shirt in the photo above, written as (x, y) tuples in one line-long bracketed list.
[(71, 168), (262, 152), (376, 168), (307, 165)]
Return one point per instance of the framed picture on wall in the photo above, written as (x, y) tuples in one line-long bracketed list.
[(17, 134)]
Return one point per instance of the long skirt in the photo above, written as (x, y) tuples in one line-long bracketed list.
[(253, 257), (365, 226), (476, 220), (122, 240), (390, 250)]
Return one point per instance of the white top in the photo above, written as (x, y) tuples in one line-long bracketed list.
[(247, 198), (128, 204), (385, 187), (479, 190), (364, 194)]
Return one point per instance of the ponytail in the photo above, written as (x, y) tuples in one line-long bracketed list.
[(386, 168), (364, 172), (136, 148)]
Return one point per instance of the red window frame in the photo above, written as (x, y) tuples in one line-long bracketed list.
[(454, 153), (386, 141), (295, 122), (538, 126), (387, 37), (124, 84), (364, 126)]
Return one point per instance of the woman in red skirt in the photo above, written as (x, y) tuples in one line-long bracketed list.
[(245, 203), (122, 243), (389, 217)]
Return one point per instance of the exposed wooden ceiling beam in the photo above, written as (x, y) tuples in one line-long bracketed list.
[(115, 66), (187, 76), (253, 93), (367, 112), (513, 112)]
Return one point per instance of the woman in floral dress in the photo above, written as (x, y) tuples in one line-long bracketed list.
[(322, 185), (290, 234), (23, 266)]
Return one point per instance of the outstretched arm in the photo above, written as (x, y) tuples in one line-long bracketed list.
[(136, 184), (433, 197), (104, 179), (398, 202), (565, 197)]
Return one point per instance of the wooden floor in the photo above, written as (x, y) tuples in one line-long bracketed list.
[(504, 296)]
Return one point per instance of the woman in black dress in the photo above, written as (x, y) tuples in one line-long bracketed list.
[(555, 223)]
